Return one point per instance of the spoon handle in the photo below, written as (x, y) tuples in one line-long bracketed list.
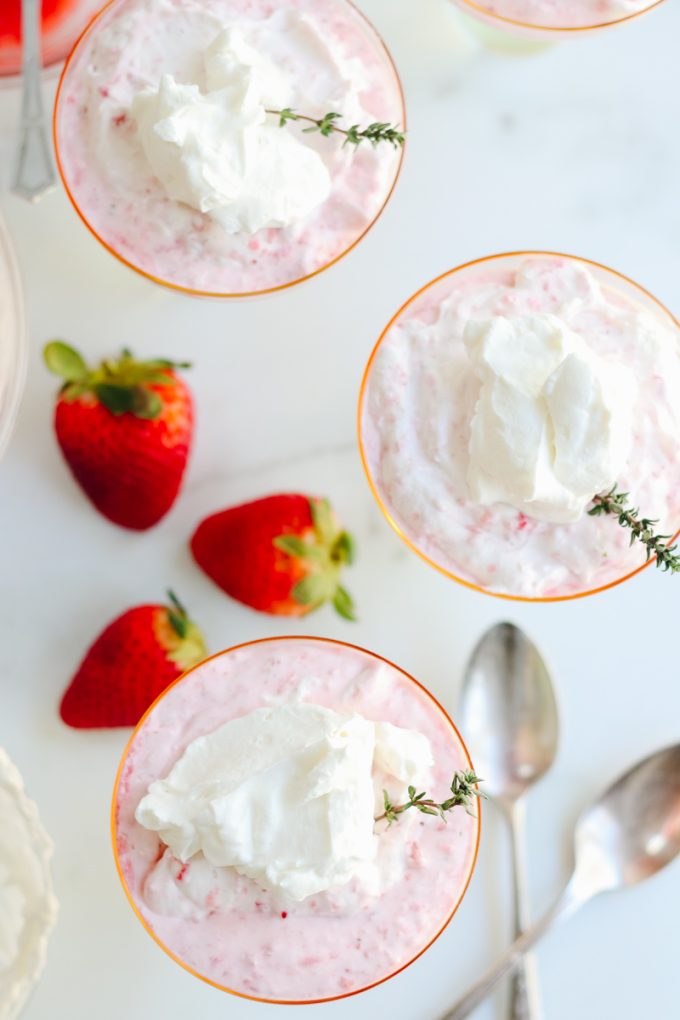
[(569, 901), (524, 998), (523, 1003), (34, 174)]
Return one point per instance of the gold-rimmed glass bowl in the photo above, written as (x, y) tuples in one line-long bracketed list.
[(226, 686), (512, 534), (270, 260)]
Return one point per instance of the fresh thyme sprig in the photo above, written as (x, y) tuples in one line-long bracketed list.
[(463, 793), (354, 135), (641, 528)]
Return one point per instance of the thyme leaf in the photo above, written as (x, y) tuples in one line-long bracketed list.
[(616, 504), (463, 793), (327, 125)]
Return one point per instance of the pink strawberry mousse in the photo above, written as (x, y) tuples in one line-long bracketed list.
[(422, 394), (319, 56), (253, 941)]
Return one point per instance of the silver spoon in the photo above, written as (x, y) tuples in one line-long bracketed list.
[(629, 834), (34, 172), (508, 715)]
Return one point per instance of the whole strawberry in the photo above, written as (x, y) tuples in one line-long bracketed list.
[(282, 554), (130, 664), (125, 431)]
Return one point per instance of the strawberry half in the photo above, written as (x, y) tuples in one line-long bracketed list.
[(282, 554), (130, 664), (125, 431)]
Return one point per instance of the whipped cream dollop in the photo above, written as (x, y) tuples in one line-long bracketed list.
[(285, 795), (27, 906), (552, 425), (212, 145)]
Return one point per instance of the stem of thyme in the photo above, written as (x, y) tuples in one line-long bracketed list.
[(463, 793), (641, 528), (354, 135)]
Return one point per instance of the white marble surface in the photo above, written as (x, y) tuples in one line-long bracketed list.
[(578, 150)]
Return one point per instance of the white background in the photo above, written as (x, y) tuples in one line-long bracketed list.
[(576, 149)]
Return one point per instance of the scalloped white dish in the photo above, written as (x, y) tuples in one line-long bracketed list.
[(13, 342), (28, 908)]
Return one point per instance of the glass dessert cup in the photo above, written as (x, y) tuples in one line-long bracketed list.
[(13, 340), (519, 539), (316, 950), (229, 265), (63, 21), (505, 31)]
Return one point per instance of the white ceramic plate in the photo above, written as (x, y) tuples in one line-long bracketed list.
[(13, 344)]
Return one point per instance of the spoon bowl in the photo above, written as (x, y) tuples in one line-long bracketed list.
[(508, 712), (630, 833), (633, 830)]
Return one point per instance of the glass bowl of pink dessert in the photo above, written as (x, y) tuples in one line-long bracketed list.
[(490, 479), (62, 23), (191, 185), (548, 20), (250, 931), (13, 339)]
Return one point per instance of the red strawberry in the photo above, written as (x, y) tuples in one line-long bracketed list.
[(125, 430), (281, 554), (130, 664)]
